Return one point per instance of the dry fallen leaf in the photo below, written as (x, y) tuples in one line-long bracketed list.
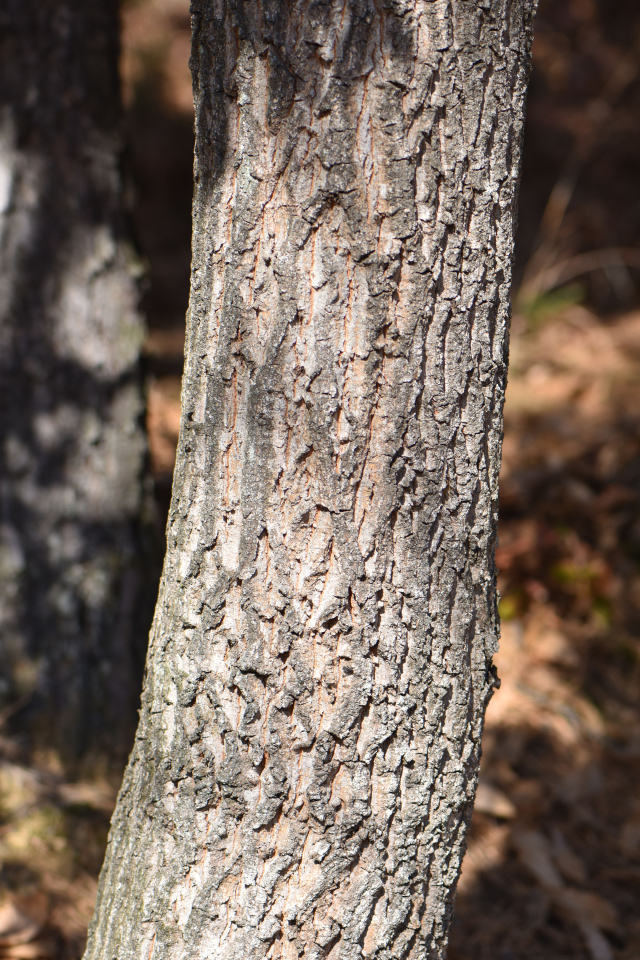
[(36, 950), (17, 925), (99, 796), (534, 851), (567, 861), (589, 911), (493, 802), (590, 908)]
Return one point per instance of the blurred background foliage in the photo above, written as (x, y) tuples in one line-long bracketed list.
[(553, 865)]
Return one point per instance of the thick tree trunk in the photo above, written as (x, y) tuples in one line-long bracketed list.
[(72, 446), (308, 749)]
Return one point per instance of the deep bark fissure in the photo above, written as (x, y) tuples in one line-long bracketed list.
[(338, 460)]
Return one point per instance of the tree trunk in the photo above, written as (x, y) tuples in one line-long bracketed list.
[(72, 445), (320, 663)]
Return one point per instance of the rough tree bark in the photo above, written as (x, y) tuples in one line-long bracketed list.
[(320, 663), (72, 447)]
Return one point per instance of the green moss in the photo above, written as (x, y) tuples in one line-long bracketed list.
[(549, 304), (510, 606), (567, 572), (602, 612)]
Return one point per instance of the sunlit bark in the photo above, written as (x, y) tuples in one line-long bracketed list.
[(320, 662)]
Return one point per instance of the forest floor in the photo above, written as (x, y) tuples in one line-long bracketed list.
[(553, 863)]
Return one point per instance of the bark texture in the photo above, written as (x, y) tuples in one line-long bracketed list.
[(72, 447), (320, 662)]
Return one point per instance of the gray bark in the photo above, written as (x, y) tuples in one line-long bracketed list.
[(320, 662), (72, 446)]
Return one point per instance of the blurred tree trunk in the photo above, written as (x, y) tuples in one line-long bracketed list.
[(72, 446), (307, 755)]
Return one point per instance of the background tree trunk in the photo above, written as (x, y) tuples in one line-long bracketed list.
[(308, 749), (72, 617)]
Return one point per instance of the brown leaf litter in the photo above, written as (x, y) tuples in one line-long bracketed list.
[(553, 863)]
